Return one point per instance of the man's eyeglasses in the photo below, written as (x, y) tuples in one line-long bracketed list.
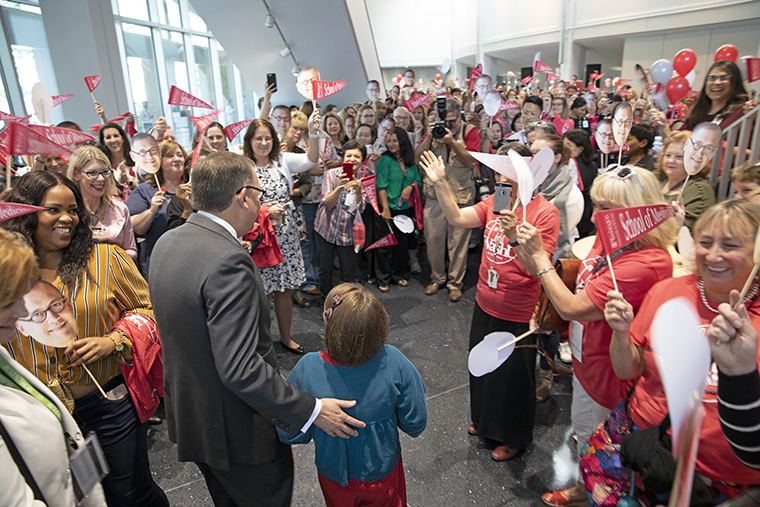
[(708, 148), (604, 135), (723, 79), (39, 316), (106, 173), (145, 153), (257, 189), (281, 118), (625, 123)]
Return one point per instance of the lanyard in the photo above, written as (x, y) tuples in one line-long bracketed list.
[(12, 378), (601, 264)]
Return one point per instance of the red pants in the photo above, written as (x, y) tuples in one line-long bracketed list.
[(387, 492)]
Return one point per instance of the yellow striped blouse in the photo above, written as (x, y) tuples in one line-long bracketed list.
[(116, 288)]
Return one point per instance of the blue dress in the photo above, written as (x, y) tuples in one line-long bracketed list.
[(389, 394)]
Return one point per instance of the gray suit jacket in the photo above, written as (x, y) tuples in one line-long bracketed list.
[(223, 389)]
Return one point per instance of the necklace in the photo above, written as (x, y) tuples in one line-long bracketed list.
[(701, 286)]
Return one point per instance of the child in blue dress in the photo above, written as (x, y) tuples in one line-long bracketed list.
[(359, 365)]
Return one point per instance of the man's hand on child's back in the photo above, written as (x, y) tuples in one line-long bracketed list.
[(334, 421)]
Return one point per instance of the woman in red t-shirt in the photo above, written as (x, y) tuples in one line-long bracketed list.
[(503, 402), (596, 389), (724, 237)]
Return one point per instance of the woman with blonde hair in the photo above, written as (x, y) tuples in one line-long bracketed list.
[(638, 266), (698, 194), (109, 217), (333, 126)]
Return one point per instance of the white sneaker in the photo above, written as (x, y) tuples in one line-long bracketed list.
[(565, 354)]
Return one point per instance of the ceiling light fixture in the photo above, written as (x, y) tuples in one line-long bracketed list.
[(285, 51), (269, 20)]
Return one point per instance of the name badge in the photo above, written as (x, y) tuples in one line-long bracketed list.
[(493, 278), (576, 340), (88, 466)]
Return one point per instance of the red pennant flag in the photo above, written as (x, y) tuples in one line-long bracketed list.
[(553, 77), (619, 227), (11, 117), (562, 125), (179, 97), (416, 101), (197, 150), (96, 126), (508, 105), (368, 184), (60, 99), (416, 201), (598, 76), (501, 121), (92, 82), (526, 79), (232, 130), (389, 240), (324, 89), (19, 139), (753, 69), (539, 66), (474, 74), (622, 81), (202, 122), (10, 210), (62, 136)]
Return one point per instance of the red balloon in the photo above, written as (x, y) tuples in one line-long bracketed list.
[(727, 52), (677, 89), (437, 77), (684, 61)]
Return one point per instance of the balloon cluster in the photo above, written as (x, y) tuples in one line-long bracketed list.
[(675, 86)]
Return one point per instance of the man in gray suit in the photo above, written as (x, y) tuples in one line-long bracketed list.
[(224, 392)]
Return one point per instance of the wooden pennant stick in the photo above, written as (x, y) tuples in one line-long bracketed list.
[(685, 182), (96, 382), (526, 333), (155, 177), (612, 272), (746, 287), (517, 202), (8, 165)]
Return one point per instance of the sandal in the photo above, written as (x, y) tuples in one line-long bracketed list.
[(383, 288), (562, 498), (402, 283)]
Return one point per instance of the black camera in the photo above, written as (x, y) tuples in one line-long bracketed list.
[(439, 127)]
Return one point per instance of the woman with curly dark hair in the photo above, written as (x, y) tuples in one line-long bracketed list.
[(103, 285)]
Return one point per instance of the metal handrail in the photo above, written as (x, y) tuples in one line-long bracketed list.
[(740, 137)]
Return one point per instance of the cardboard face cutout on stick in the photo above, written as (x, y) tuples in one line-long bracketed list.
[(622, 121), (147, 162), (51, 320), (605, 140), (303, 82), (491, 102), (698, 151)]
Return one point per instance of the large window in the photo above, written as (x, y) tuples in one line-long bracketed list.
[(166, 43)]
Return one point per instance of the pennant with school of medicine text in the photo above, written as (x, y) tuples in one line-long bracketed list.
[(617, 228), (179, 97)]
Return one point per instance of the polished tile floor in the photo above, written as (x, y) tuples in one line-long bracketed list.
[(444, 466)]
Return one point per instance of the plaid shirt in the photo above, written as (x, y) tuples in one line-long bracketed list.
[(335, 225)]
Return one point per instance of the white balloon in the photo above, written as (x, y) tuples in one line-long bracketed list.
[(485, 358), (661, 71), (690, 77)]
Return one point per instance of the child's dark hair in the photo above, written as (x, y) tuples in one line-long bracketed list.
[(356, 324)]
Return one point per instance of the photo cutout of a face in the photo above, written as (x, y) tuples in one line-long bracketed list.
[(605, 140), (147, 155), (303, 82), (698, 151), (51, 320), (622, 121)]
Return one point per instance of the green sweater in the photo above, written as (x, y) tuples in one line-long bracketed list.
[(391, 178), (697, 197)]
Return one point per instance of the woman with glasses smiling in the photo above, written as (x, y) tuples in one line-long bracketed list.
[(722, 97), (109, 217)]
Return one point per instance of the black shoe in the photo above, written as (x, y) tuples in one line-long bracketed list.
[(300, 299), (299, 351)]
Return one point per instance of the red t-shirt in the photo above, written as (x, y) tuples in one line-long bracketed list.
[(648, 406), (516, 290), (635, 271)]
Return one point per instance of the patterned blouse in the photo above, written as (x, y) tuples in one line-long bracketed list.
[(115, 287)]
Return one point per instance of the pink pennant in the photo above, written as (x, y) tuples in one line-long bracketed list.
[(508, 105), (202, 122), (62, 136), (12, 117), (620, 227), (60, 99), (526, 79), (542, 67), (197, 150), (368, 185), (92, 82), (232, 130), (416, 101), (324, 89), (10, 210), (389, 240), (179, 97), (553, 77), (20, 139)]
